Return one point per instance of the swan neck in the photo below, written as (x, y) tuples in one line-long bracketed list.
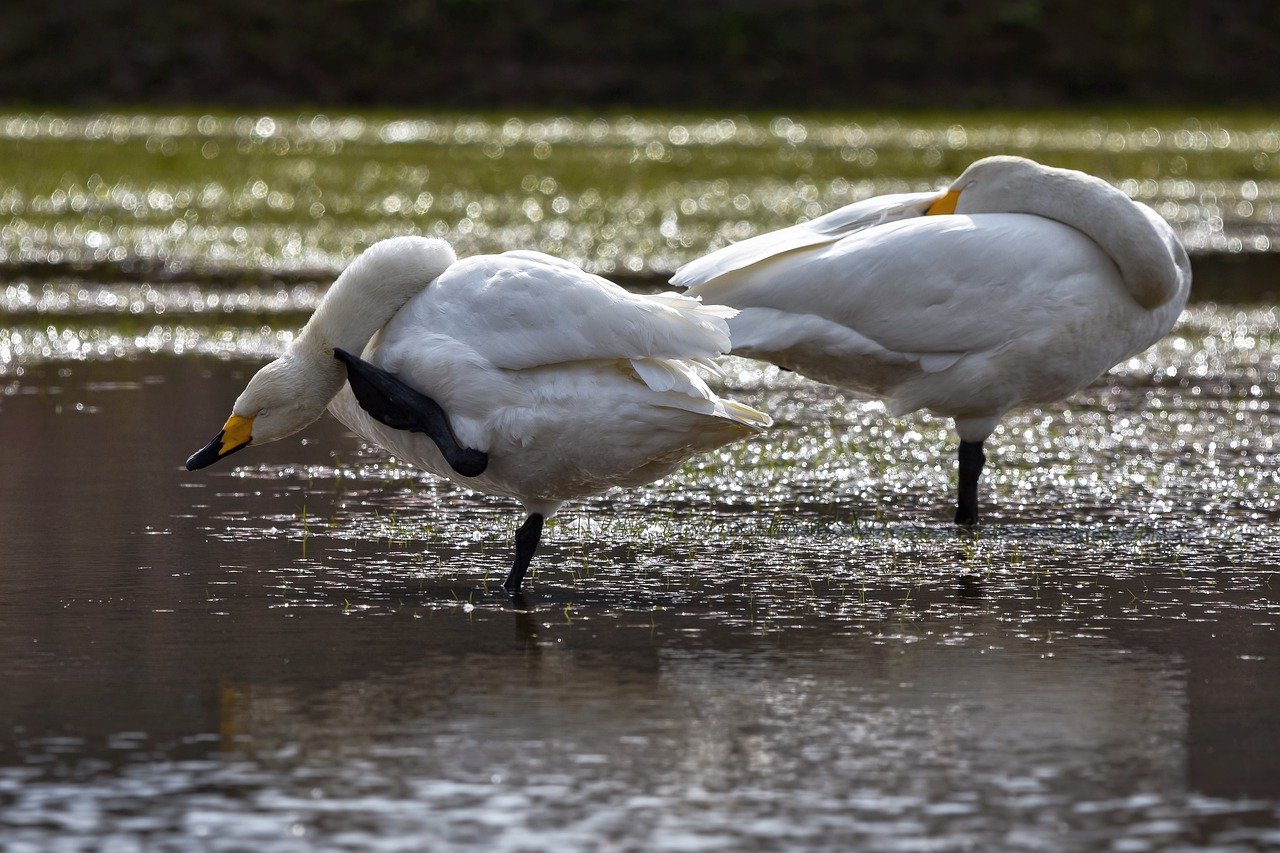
[(369, 293), (1151, 260), (1144, 248)]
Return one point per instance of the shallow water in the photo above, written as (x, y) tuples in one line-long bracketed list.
[(784, 645)]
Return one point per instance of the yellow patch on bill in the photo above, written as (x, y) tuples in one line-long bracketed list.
[(945, 204), (236, 433)]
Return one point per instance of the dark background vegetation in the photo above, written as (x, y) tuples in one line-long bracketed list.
[(642, 53)]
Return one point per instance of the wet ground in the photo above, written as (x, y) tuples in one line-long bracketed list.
[(786, 645)]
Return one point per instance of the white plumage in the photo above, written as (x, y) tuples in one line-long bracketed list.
[(1038, 281), (570, 384)]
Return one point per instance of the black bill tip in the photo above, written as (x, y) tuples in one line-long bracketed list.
[(211, 453)]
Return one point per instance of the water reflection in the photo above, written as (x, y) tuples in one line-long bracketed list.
[(783, 645)]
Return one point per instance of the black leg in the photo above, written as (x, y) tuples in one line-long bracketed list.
[(526, 543), (389, 401), (971, 459)]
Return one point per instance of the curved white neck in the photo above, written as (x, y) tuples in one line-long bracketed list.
[(292, 391), (369, 292), (1151, 260)]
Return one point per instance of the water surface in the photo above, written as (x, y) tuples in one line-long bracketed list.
[(784, 645)]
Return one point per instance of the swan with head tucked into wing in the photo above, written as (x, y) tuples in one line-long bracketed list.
[(1016, 286), (517, 375)]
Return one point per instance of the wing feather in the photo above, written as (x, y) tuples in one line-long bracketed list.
[(931, 289), (822, 231), (524, 309), (682, 388)]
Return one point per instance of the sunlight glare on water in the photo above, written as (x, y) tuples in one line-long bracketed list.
[(783, 644), (301, 194)]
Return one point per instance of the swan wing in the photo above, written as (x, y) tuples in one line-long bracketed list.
[(492, 333), (822, 231), (521, 310), (931, 289), (682, 388)]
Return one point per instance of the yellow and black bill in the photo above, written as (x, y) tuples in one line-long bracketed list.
[(235, 435)]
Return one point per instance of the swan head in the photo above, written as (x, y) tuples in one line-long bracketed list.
[(1147, 252), (282, 398), (992, 184), (293, 391)]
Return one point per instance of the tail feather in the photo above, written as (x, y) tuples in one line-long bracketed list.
[(683, 388), (744, 414)]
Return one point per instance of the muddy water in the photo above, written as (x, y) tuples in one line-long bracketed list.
[(784, 645)]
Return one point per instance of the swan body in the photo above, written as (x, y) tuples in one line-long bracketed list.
[(555, 384), (571, 384), (1017, 286)]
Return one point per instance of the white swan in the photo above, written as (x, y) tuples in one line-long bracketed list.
[(516, 374), (1038, 281)]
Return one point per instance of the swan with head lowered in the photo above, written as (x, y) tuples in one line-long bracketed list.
[(1017, 286), (517, 375)]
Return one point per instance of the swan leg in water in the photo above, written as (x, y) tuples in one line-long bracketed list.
[(393, 403), (971, 459), (527, 538)]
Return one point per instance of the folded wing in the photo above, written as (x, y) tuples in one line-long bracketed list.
[(525, 310), (929, 289), (824, 230)]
